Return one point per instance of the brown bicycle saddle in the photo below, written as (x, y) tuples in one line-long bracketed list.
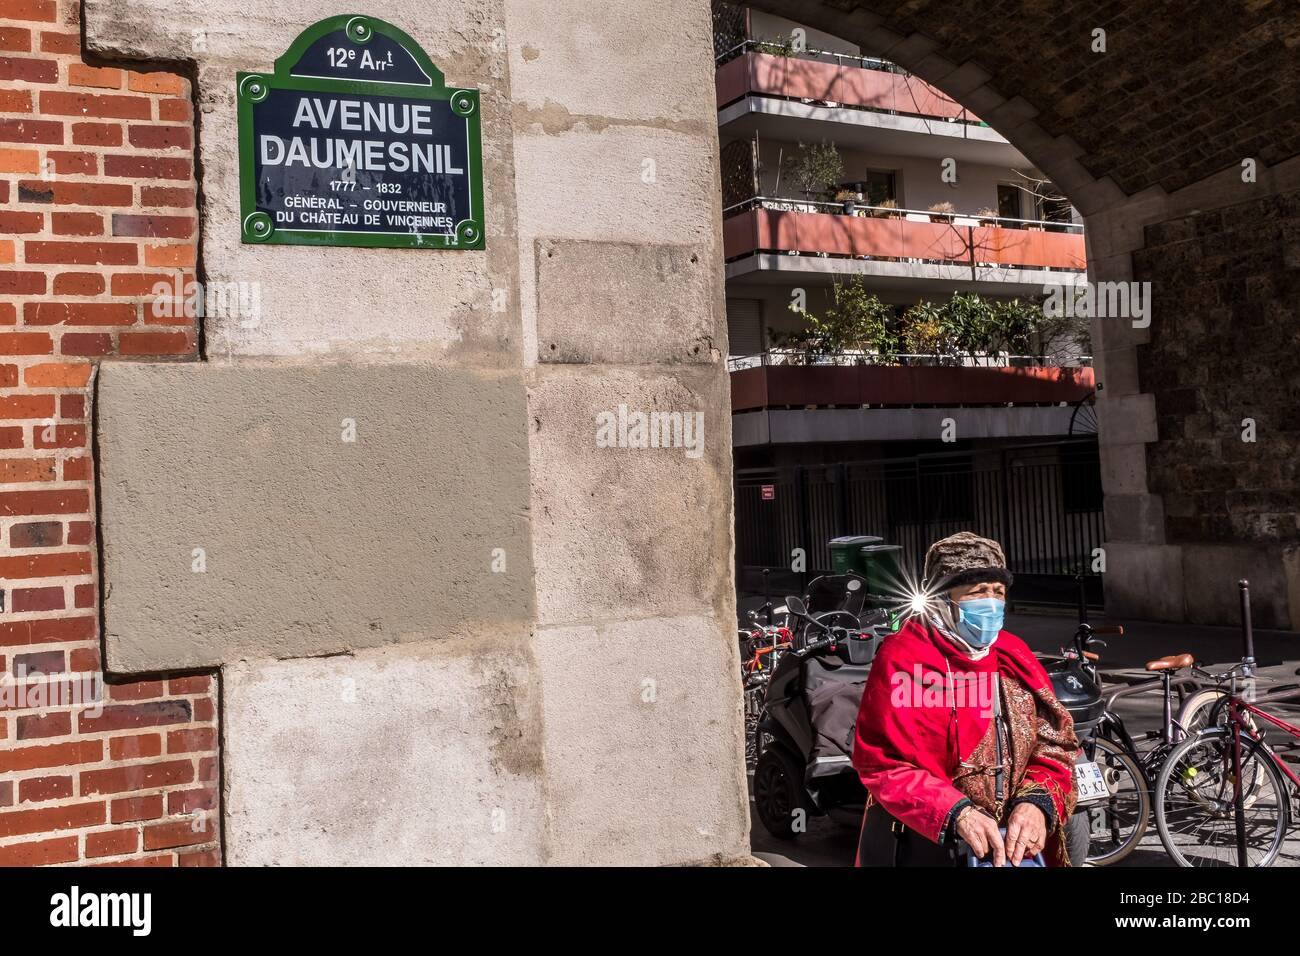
[(1171, 663)]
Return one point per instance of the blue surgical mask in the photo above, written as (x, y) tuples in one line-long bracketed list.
[(980, 620)]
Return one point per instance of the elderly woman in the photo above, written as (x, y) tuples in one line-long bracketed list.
[(959, 736)]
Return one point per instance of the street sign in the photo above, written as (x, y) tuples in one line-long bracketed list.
[(355, 140), (769, 492)]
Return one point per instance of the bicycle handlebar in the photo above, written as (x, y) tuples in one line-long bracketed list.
[(1115, 629), (834, 635), (1244, 668)]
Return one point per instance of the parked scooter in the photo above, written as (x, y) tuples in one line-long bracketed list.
[(1077, 686), (804, 735)]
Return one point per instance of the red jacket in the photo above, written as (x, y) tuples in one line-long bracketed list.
[(906, 748)]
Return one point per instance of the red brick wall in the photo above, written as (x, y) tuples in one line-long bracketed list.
[(97, 204)]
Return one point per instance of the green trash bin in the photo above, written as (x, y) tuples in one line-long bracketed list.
[(882, 566), (846, 553)]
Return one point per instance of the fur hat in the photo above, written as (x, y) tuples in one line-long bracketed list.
[(964, 558)]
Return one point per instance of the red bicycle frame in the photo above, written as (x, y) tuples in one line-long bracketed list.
[(1237, 709)]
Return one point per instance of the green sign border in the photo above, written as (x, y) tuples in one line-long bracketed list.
[(257, 227)]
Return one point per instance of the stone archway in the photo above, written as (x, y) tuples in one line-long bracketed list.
[(1148, 139)]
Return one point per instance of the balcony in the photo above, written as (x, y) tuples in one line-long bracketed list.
[(756, 382), (904, 245), (773, 402), (834, 79)]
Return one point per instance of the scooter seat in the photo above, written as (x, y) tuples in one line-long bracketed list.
[(818, 673), (1171, 663)]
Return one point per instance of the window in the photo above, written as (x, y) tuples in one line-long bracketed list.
[(744, 326), (876, 188), (1008, 201)]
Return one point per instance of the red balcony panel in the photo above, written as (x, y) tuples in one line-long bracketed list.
[(868, 88), (1025, 386), (912, 95), (931, 240), (740, 234), (1061, 250), (766, 230), (793, 77), (731, 81), (749, 389), (886, 384), (791, 385), (796, 78), (780, 386), (953, 388)]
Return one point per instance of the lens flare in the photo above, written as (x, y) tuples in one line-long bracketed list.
[(905, 597)]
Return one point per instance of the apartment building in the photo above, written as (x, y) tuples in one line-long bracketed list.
[(844, 177)]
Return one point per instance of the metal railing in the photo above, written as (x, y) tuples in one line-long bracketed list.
[(843, 61), (780, 204), (821, 56), (1042, 501), (789, 357)]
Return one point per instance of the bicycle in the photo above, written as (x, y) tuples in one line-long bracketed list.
[(1113, 777), (1199, 709), (1227, 774), (1223, 794), (761, 646), (1117, 824)]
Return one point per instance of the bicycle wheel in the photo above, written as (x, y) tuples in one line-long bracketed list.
[(1194, 715), (1194, 802), (1199, 712), (1117, 824)]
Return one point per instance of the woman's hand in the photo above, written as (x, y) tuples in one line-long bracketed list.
[(981, 831), (1026, 832)]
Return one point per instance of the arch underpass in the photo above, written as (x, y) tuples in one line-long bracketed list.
[(1176, 137)]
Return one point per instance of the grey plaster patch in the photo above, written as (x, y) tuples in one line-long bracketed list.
[(623, 532), (311, 544), (599, 63), (643, 742), (626, 302), (391, 757)]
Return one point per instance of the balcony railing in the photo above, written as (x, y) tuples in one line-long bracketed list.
[(832, 79), (904, 386), (792, 226), (840, 359)]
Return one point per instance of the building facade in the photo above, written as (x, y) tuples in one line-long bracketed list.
[(844, 172)]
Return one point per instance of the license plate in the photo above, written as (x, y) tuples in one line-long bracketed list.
[(1089, 782)]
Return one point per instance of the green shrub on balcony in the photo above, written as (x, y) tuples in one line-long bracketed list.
[(856, 321), (967, 325), (970, 325), (780, 46), (816, 169)]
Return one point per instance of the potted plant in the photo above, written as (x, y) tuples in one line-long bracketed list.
[(816, 168), (780, 46), (888, 209), (924, 332), (850, 199), (856, 323), (943, 212), (988, 216)]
